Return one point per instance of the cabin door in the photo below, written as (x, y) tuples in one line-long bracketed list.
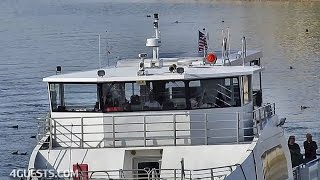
[(147, 167)]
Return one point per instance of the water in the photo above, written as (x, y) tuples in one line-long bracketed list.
[(37, 35)]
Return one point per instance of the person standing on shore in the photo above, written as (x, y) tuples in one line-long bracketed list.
[(310, 148)]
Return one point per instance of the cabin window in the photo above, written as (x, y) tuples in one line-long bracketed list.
[(246, 91), (73, 97), (56, 98), (149, 95), (274, 164), (214, 93), (143, 96)]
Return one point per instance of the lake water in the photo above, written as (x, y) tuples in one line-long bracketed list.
[(38, 35)]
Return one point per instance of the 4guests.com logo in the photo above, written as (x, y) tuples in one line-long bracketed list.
[(42, 173)]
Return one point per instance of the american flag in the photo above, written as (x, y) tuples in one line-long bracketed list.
[(202, 43)]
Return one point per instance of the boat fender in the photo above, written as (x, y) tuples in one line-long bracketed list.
[(80, 172), (211, 58)]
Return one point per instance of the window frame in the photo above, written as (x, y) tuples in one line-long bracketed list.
[(61, 94), (187, 92)]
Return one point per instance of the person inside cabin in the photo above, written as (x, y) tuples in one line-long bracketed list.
[(152, 104), (295, 152), (310, 148), (126, 106), (135, 103), (200, 103), (111, 104), (168, 105)]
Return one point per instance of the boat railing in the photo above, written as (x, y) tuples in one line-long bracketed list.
[(174, 130), (158, 174), (261, 114), (309, 170)]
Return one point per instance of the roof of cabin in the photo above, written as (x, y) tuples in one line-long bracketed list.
[(126, 70), (130, 74)]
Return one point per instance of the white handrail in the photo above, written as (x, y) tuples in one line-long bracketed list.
[(55, 130)]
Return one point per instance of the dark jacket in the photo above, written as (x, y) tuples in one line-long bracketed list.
[(310, 150), (296, 156)]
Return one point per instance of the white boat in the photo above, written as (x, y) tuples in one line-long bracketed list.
[(164, 118)]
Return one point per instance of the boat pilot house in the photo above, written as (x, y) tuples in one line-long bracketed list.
[(156, 92), (181, 93)]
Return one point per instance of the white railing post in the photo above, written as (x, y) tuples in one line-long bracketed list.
[(206, 129), (55, 129), (50, 135), (144, 131), (153, 175), (259, 112), (238, 126), (256, 127), (82, 136), (174, 130), (113, 133)]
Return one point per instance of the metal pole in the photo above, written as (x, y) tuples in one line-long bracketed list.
[(145, 131), (260, 119), (153, 176), (55, 129), (82, 136), (174, 130), (229, 51), (206, 129), (99, 52), (238, 126), (175, 174), (113, 133), (50, 129), (243, 49), (211, 172), (260, 76), (222, 49), (182, 168)]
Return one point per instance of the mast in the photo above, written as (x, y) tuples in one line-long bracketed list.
[(155, 42)]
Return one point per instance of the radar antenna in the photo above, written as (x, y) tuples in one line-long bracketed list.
[(155, 42)]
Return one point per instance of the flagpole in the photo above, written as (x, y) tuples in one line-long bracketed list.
[(229, 41), (205, 43), (99, 51)]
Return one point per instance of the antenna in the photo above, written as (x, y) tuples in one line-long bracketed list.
[(99, 51), (243, 49), (107, 49), (229, 42), (225, 50)]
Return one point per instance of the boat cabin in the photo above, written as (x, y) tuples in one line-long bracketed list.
[(183, 101), (121, 90)]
